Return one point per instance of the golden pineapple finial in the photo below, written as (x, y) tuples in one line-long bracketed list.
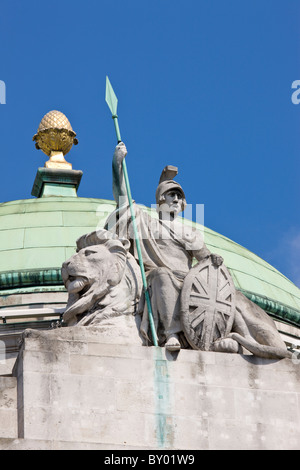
[(55, 138)]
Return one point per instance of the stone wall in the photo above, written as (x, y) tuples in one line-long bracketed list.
[(77, 390), (8, 407)]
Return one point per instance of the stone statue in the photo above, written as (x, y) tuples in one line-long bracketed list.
[(200, 304), (193, 306), (103, 280), (168, 249)]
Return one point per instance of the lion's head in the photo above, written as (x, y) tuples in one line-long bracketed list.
[(102, 277)]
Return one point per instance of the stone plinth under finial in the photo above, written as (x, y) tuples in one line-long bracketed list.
[(56, 182)]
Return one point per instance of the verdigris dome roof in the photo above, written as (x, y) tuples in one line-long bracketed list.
[(38, 235)]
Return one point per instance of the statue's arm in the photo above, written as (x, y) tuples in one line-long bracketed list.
[(217, 260), (202, 252), (119, 187)]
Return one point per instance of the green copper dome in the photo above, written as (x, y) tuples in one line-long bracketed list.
[(38, 235), (257, 279)]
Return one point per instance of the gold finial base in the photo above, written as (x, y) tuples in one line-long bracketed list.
[(57, 160)]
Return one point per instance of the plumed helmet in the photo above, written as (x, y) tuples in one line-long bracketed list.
[(166, 183)]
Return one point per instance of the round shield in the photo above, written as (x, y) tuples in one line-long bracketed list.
[(207, 304)]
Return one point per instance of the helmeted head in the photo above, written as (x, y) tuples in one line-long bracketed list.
[(166, 184)]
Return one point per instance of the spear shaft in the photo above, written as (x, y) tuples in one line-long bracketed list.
[(112, 101)]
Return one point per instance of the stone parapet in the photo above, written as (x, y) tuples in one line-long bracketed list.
[(79, 390)]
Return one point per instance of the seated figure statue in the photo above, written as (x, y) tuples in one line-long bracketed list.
[(198, 306), (193, 306), (168, 249)]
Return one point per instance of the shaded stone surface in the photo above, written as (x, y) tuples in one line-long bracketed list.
[(77, 392)]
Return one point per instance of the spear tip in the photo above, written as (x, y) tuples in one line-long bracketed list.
[(110, 97)]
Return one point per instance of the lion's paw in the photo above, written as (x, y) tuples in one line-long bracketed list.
[(227, 345)]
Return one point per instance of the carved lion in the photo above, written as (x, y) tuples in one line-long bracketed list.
[(217, 317), (103, 280)]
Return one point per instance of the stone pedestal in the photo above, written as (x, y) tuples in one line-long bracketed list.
[(78, 389), (56, 182)]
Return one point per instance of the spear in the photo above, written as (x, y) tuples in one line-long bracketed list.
[(112, 102)]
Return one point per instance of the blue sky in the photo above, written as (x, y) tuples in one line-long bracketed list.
[(202, 84)]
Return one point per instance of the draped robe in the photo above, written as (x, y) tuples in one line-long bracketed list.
[(168, 249)]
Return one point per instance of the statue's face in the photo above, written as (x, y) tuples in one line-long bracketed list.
[(173, 202)]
